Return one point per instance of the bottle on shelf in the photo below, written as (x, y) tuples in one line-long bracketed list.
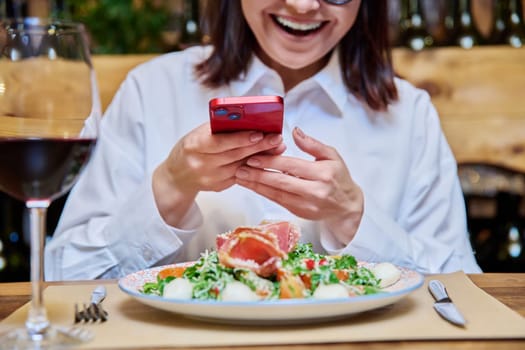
[(435, 12), (173, 30), (510, 233), (449, 23), (414, 33), (500, 28), (15, 8), (191, 31), (516, 26), (466, 33)]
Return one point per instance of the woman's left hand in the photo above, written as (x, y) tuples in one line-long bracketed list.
[(320, 189)]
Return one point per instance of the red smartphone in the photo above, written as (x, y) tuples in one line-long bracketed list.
[(261, 113)]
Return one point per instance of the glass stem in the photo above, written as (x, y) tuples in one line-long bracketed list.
[(37, 321)]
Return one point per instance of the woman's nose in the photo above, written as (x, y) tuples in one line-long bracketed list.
[(303, 6)]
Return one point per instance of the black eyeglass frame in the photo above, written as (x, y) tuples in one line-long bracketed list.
[(337, 2)]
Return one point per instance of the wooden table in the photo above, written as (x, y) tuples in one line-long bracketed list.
[(509, 288)]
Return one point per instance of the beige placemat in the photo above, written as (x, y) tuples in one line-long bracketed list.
[(134, 325)]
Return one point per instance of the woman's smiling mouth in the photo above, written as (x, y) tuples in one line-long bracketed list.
[(298, 28)]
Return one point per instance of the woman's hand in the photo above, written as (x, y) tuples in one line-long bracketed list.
[(321, 189), (201, 161)]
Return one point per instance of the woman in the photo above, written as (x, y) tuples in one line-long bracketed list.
[(363, 166)]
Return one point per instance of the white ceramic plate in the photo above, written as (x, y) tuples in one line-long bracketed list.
[(289, 311)]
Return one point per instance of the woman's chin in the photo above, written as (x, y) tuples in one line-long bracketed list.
[(298, 61)]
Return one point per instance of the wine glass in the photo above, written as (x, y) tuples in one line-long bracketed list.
[(49, 113)]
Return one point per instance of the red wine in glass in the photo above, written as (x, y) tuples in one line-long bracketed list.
[(49, 113), (41, 168)]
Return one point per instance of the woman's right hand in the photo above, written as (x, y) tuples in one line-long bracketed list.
[(202, 161)]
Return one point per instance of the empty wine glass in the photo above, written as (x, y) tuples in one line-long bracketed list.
[(49, 113)]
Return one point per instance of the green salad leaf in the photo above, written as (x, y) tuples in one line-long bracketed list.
[(156, 288)]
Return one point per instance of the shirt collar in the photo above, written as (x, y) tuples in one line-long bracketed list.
[(331, 82), (329, 79)]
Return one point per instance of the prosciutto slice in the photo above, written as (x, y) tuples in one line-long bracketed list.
[(257, 248)]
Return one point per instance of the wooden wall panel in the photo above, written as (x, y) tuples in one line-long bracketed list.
[(480, 82), (480, 96), (111, 71)]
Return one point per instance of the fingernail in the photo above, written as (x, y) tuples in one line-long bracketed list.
[(299, 132), (253, 162), (256, 136), (242, 173), (275, 139)]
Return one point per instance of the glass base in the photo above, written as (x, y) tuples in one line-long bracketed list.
[(53, 338)]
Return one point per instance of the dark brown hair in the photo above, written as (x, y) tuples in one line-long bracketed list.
[(366, 63)]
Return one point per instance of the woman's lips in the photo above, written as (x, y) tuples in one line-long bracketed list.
[(298, 28)]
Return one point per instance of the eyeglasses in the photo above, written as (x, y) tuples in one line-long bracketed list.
[(337, 2)]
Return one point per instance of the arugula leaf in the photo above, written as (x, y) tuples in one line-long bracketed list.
[(345, 262), (208, 276), (157, 288)]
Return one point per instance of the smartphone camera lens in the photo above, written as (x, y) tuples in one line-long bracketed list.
[(234, 116), (221, 112)]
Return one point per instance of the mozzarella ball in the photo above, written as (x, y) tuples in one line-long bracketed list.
[(387, 273), (237, 291), (179, 288), (330, 291)]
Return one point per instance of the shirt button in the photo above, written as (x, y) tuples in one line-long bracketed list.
[(147, 254)]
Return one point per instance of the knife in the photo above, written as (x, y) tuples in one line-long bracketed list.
[(444, 305)]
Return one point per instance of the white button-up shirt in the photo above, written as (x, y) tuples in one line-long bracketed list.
[(414, 212)]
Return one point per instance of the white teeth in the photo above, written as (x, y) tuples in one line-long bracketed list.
[(298, 26)]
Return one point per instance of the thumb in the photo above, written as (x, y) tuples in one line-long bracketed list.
[(314, 147)]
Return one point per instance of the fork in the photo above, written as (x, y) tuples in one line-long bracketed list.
[(93, 311)]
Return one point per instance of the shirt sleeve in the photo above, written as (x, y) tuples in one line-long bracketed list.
[(429, 233), (110, 225)]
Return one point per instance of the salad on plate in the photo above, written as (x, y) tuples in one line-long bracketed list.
[(267, 262)]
